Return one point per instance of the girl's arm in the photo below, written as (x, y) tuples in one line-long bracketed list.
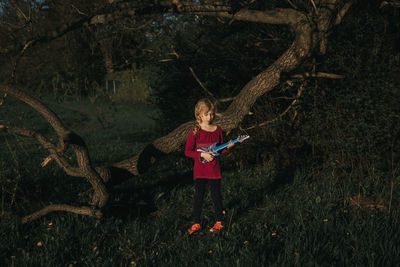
[(190, 148)]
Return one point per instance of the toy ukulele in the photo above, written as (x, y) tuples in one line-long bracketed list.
[(214, 148)]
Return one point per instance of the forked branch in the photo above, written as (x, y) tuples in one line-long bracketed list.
[(56, 153), (67, 138)]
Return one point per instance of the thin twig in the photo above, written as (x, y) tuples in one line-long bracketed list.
[(294, 117), (343, 11), (282, 97), (30, 10), (17, 169), (78, 11), (3, 99), (315, 7), (230, 220), (292, 4), (147, 23), (21, 54), (19, 10), (226, 99), (280, 115), (46, 161), (201, 84), (318, 75)]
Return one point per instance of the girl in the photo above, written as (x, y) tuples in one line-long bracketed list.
[(205, 133)]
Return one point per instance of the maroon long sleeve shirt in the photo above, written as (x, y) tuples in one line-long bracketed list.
[(209, 170)]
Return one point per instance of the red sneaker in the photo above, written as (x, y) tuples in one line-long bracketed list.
[(216, 228), (194, 229)]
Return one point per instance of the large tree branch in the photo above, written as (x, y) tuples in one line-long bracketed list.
[(47, 113), (84, 210), (120, 9), (279, 16), (56, 153), (115, 10), (67, 138)]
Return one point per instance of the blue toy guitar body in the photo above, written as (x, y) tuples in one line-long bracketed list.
[(214, 148)]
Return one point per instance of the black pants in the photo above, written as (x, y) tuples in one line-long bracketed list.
[(200, 188)]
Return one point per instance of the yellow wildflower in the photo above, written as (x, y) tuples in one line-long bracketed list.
[(133, 262), (50, 223), (325, 220), (39, 244), (273, 233), (245, 242)]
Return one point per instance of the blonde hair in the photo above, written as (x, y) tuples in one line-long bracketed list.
[(203, 105)]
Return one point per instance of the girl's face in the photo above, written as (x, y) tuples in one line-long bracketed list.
[(207, 116)]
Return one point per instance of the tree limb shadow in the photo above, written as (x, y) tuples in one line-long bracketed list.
[(133, 201)]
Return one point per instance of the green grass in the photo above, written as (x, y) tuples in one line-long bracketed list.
[(273, 217)]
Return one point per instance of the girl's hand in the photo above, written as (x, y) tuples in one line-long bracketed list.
[(231, 144), (207, 156)]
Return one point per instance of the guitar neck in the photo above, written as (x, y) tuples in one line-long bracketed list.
[(220, 147)]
